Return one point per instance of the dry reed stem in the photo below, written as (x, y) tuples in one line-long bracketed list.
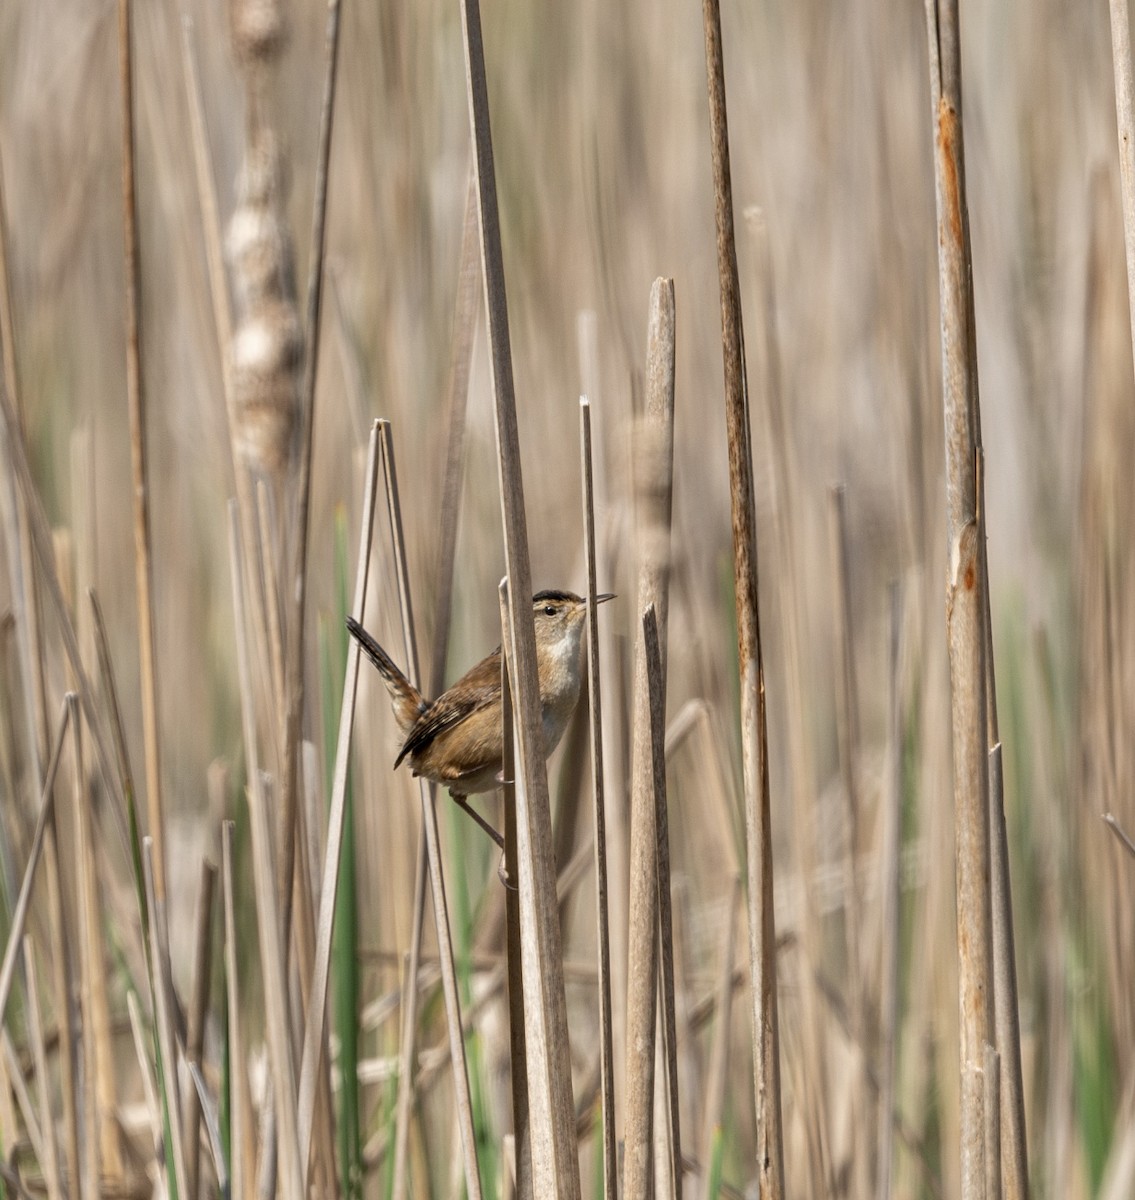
[(966, 601), (599, 809), (136, 406), (101, 1142), (464, 330), (1011, 1134), (68, 714), (654, 485), (514, 950), (145, 1070), (272, 953), (1125, 127), (163, 997), (24, 1100), (758, 821), (25, 588), (847, 729), (991, 1078), (240, 1107), (890, 852), (616, 731), (45, 555), (719, 1055), (197, 1016), (90, 952), (297, 583), (1121, 836), (49, 1163), (315, 1028), (649, 779), (554, 1147), (428, 796)]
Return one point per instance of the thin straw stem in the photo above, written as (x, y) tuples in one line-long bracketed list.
[(754, 733), (167, 1046), (315, 1030), (603, 940), (198, 1011), (143, 568), (240, 1108), (297, 589), (517, 1042)]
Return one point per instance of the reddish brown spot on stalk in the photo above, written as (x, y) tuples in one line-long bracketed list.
[(948, 149), (969, 577)]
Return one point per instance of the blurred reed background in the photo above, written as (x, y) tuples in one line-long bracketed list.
[(602, 158)]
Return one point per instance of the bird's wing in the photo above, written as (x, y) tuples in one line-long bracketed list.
[(476, 690)]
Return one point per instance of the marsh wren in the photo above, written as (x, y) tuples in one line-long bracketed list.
[(457, 740)]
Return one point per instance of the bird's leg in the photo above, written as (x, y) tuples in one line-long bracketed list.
[(462, 802)]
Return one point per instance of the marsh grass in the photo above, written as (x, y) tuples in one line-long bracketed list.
[(602, 178)]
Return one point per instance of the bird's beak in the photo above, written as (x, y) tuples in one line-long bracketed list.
[(602, 599)]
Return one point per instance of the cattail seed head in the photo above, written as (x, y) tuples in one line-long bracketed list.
[(259, 30), (266, 353)]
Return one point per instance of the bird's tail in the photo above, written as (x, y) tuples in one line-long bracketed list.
[(408, 703)]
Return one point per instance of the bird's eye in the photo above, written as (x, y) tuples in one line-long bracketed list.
[(549, 610)]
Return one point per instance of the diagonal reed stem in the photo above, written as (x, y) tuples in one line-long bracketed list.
[(315, 1029), (428, 797), (135, 400), (754, 732), (603, 939)]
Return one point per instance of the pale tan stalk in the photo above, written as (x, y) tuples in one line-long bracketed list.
[(754, 734), (195, 1033), (1014, 1180), (272, 952), (847, 726), (145, 1069), (427, 794), (991, 1079), (49, 1163), (649, 775), (602, 919), (101, 1142), (966, 585), (136, 406), (241, 1166), (163, 996), (315, 1032), (891, 843), (654, 485), (719, 1056), (1121, 836), (46, 811), (24, 1100), (555, 1162), (514, 949)]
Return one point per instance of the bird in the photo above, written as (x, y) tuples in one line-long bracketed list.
[(457, 740)]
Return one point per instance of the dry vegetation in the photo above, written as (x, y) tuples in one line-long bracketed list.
[(602, 147)]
